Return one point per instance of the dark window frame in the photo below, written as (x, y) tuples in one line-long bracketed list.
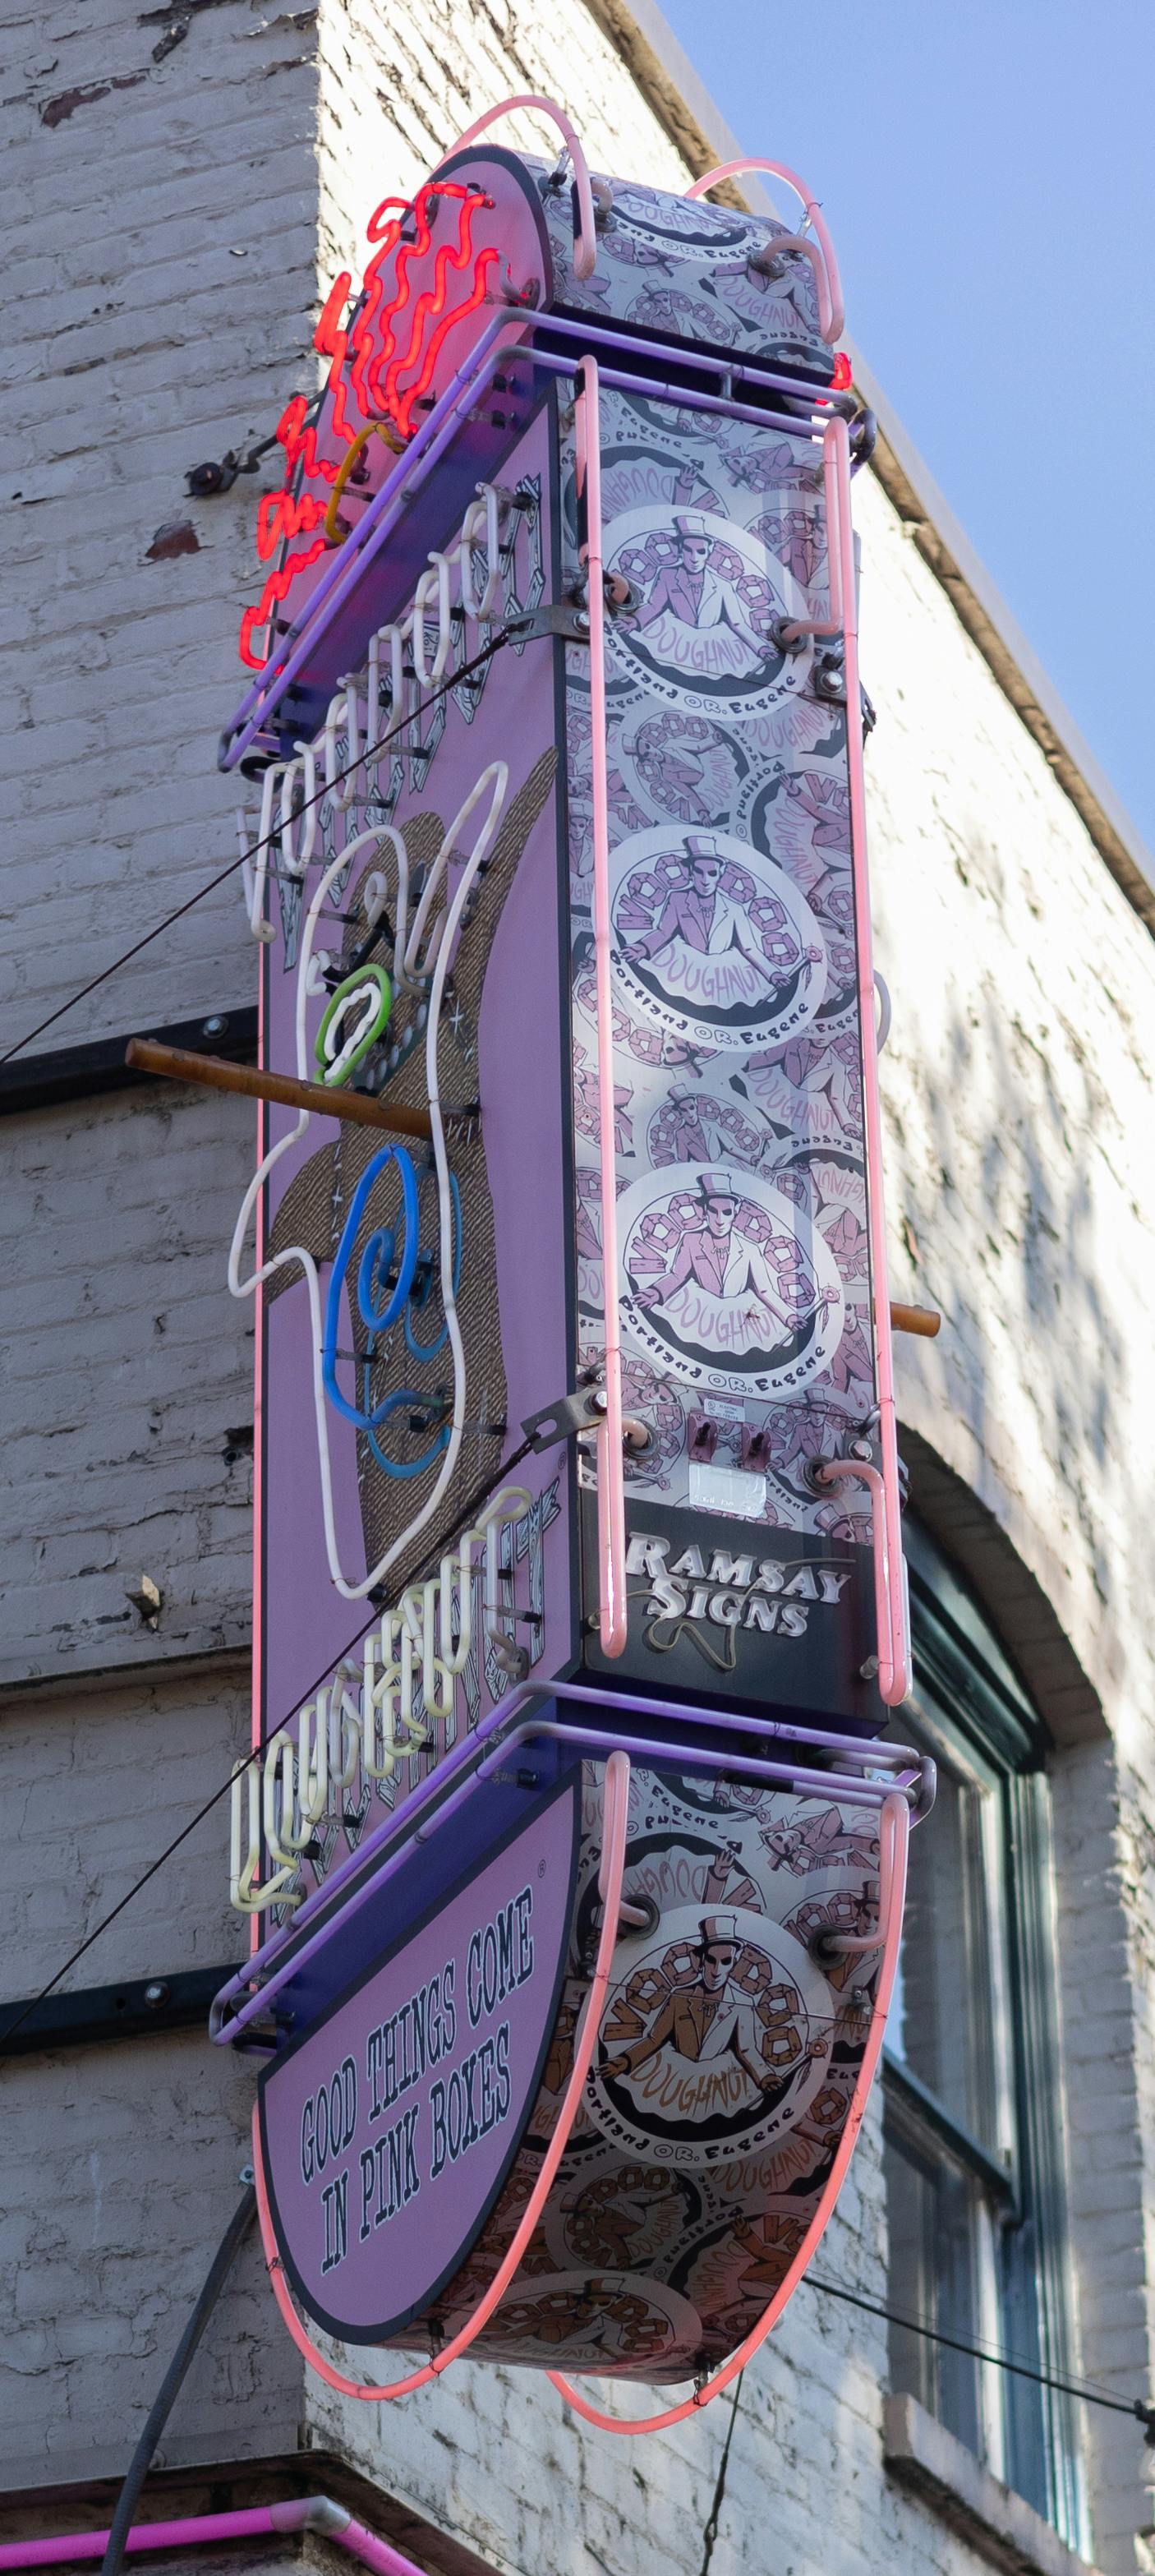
[(968, 1698)]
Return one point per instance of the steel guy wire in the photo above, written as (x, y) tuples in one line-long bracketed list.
[(479, 1495), (451, 680), (1085, 2391)]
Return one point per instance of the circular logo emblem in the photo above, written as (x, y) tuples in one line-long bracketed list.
[(726, 1283), (589, 2320), (715, 2037), (682, 766), (708, 593), (683, 224), (713, 943), (702, 1122)]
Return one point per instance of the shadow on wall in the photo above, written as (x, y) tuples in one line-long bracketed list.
[(996, 1200)]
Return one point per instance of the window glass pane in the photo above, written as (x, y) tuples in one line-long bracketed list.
[(974, 2184), (934, 2248), (949, 2024)]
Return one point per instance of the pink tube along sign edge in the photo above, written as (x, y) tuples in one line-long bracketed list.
[(388, 2131)]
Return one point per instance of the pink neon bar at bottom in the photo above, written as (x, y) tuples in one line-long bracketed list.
[(252, 2522)]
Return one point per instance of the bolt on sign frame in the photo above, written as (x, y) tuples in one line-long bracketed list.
[(574, 1862)]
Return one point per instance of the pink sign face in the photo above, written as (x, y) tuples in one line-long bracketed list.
[(388, 2132)]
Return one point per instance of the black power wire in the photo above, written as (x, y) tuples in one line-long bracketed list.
[(1136, 2407), (1139, 2408), (480, 1495), (166, 2395), (710, 2526), (1088, 2396), (365, 759)]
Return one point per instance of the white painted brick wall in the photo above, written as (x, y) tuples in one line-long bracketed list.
[(1018, 1086), (92, 1784), (121, 2163), (159, 273), (124, 1365)]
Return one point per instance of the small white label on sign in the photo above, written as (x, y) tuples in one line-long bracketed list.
[(728, 1489)]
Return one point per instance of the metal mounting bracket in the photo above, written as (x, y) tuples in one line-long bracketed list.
[(580, 1412), (560, 617)]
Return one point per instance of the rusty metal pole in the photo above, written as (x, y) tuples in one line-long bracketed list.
[(179, 1064)]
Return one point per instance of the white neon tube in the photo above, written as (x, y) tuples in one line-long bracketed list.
[(496, 779)]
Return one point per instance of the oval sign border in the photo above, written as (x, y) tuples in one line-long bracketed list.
[(528, 1834)]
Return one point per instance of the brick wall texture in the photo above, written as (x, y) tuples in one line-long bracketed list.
[(182, 185)]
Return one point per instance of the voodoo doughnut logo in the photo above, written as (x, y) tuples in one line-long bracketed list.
[(725, 1283), (713, 2041), (684, 767), (713, 943), (707, 597)]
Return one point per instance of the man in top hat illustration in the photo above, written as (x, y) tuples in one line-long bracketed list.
[(700, 915), (705, 2021), (688, 594), (730, 1268)]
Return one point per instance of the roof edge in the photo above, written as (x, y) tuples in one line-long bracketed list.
[(686, 112)]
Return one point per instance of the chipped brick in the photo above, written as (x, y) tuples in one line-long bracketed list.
[(177, 537)]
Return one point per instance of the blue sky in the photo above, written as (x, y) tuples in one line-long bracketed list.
[(988, 173)]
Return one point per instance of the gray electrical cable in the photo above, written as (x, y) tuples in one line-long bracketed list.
[(479, 1495), (450, 681), (167, 2393)]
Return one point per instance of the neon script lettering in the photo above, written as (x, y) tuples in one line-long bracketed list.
[(382, 362), (362, 1725)]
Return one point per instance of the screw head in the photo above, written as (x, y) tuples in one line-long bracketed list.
[(215, 1027), (156, 1995)]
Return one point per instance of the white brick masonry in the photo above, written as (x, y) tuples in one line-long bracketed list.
[(125, 1367)]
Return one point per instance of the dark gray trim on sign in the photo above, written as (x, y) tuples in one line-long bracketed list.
[(136, 2008), (80, 1072), (569, 1786)]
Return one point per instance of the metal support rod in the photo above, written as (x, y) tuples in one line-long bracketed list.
[(181, 1065), (173, 2381), (915, 1319)]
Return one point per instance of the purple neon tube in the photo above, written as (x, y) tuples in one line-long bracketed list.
[(347, 564), (405, 1820), (399, 487), (250, 2522), (800, 1779)]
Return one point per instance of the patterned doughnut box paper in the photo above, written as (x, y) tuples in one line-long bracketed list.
[(560, 794)]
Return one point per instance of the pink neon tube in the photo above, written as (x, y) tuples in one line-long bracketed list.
[(615, 1818), (586, 252), (893, 1658), (893, 1838), (833, 624), (250, 2522), (893, 1645), (264, 1111), (613, 1608), (831, 310)]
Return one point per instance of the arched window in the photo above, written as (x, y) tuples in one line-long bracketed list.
[(973, 2099)]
